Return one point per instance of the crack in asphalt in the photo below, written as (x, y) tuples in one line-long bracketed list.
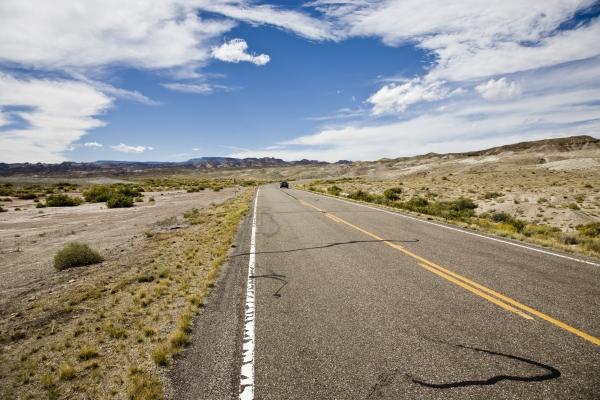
[(552, 373)]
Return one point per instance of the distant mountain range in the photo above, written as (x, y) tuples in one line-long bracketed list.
[(212, 163), (123, 167)]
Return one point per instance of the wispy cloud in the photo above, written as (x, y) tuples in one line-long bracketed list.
[(95, 145), (124, 148), (196, 88)]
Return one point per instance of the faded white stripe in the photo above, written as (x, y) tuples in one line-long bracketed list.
[(247, 369)]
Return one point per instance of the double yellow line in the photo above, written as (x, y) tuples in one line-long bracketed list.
[(477, 289)]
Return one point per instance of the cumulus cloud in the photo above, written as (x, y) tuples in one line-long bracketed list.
[(78, 39), (56, 113), (95, 145), (396, 97), (498, 89), (560, 101), (124, 148), (236, 50)]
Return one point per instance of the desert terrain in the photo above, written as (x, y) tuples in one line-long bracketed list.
[(113, 329)]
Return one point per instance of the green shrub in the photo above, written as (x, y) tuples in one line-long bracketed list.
[(500, 216), (119, 201), (97, 193), (334, 190), (361, 195), (26, 195), (3, 209), (507, 219), (591, 230), (392, 193), (462, 204), (572, 206), (62, 200), (416, 203), (100, 193), (76, 254)]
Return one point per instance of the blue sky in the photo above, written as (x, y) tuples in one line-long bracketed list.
[(321, 80)]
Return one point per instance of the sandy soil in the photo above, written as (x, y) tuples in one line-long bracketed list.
[(30, 237)]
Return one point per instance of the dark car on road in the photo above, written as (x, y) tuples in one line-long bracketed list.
[(284, 185)]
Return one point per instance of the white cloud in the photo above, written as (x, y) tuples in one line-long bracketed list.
[(472, 38), (498, 89), (168, 34), (57, 113), (94, 145), (396, 97), (560, 101), (236, 50), (79, 39), (299, 23), (196, 88), (124, 148)]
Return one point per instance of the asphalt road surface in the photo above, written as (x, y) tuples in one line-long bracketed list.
[(327, 299)]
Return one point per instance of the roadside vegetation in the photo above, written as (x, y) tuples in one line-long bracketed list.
[(111, 332), (76, 254), (114, 195), (466, 212)]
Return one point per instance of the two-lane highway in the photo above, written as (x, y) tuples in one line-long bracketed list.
[(351, 302)]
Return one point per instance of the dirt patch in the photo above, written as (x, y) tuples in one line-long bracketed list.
[(30, 237), (109, 330)]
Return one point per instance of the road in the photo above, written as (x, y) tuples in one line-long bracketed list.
[(342, 301)]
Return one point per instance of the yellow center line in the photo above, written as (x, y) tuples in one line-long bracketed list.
[(473, 287)]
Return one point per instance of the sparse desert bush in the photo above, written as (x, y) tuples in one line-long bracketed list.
[(591, 230), (361, 195), (26, 195), (492, 195), (508, 220), (334, 190), (567, 239), (66, 372), (572, 206), (500, 216), (392, 193), (115, 196), (144, 387), (62, 200), (87, 352), (3, 209), (119, 200), (151, 199), (76, 254), (40, 205), (160, 355), (98, 193)]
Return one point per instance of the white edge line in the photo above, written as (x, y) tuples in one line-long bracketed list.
[(399, 214), (247, 368)]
